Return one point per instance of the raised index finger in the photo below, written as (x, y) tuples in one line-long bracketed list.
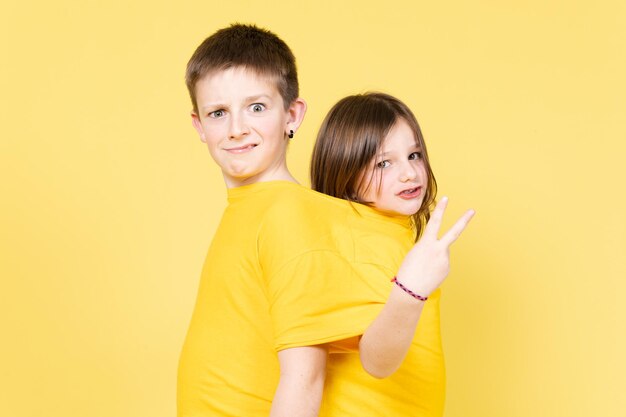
[(434, 224), (455, 231)]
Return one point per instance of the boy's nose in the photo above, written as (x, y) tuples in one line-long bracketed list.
[(237, 128)]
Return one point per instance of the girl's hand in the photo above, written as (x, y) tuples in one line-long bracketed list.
[(427, 264)]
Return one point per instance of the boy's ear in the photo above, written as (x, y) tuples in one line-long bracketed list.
[(296, 111), (195, 121)]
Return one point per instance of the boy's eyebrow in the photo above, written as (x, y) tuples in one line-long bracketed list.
[(212, 106), (248, 99), (257, 97)]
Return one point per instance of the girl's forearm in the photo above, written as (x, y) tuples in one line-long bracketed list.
[(386, 341)]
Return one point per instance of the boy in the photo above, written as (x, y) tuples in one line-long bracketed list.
[(267, 284)]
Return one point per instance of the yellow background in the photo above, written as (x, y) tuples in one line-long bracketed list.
[(109, 200)]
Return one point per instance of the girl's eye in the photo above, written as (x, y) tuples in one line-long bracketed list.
[(257, 107), (383, 164), (216, 114), (415, 155)]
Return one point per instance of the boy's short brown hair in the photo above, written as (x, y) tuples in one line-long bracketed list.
[(246, 46)]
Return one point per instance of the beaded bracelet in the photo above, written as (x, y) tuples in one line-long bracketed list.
[(408, 291)]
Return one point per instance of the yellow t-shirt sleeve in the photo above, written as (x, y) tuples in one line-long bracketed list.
[(318, 297)]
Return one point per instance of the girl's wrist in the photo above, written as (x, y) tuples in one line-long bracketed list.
[(415, 294), (415, 283), (405, 309)]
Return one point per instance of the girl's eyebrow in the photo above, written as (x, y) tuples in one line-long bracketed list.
[(415, 148)]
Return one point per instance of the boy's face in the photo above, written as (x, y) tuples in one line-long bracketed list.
[(242, 119)]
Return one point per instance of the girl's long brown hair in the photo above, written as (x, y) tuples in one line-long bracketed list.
[(351, 135)]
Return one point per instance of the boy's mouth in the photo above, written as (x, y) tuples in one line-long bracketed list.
[(410, 193), (241, 149)]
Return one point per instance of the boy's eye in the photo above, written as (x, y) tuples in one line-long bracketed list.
[(415, 155), (257, 107), (383, 164), (217, 113)]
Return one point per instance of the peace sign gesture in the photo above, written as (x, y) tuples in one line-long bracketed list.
[(427, 264)]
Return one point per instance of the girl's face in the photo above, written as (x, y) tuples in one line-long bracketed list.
[(397, 173)]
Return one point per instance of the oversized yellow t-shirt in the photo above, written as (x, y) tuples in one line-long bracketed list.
[(279, 274), (417, 388)]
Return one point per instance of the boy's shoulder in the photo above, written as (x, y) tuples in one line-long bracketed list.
[(300, 223), (300, 219), (298, 202)]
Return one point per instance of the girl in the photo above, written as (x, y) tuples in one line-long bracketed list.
[(370, 151)]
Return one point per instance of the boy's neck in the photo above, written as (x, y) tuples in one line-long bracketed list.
[(280, 175)]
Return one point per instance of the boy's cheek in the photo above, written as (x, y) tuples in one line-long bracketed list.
[(213, 154)]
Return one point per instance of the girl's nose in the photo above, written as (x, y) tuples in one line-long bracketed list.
[(409, 172)]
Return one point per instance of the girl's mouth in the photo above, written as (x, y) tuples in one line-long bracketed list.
[(410, 193)]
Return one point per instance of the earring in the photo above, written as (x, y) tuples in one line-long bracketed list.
[(290, 134)]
